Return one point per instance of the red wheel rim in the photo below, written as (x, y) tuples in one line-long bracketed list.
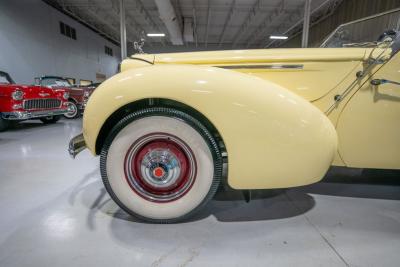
[(160, 167)]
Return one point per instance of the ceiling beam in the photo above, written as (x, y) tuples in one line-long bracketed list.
[(208, 23), (115, 13), (300, 21), (178, 11), (148, 18), (250, 15), (95, 15), (83, 20), (195, 21), (134, 28), (95, 9), (168, 16), (122, 26), (227, 20), (106, 27), (306, 23), (100, 15), (278, 11)]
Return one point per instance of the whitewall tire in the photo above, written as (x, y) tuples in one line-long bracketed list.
[(161, 165), (73, 111)]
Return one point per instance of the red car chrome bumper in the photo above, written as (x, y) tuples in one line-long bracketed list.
[(26, 115)]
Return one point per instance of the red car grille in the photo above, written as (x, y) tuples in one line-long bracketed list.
[(42, 103)]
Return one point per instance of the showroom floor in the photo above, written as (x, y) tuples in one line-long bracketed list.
[(55, 212)]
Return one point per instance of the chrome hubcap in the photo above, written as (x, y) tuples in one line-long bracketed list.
[(160, 167), (72, 109)]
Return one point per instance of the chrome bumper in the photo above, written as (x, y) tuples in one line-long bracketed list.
[(26, 115), (76, 145)]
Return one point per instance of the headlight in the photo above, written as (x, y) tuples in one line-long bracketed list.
[(17, 95), (66, 95), (86, 94)]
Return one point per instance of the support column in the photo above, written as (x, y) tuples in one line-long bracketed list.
[(306, 23), (122, 27)]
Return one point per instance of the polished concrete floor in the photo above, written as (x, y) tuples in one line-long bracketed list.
[(55, 212)]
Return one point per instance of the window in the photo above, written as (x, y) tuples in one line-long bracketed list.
[(73, 33), (5, 78), (85, 82), (67, 30), (62, 28), (71, 80), (108, 51), (50, 81)]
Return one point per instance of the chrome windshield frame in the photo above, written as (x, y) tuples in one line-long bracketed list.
[(358, 21)]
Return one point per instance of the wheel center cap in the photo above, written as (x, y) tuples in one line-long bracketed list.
[(160, 167), (158, 172)]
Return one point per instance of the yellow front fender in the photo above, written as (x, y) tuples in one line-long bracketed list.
[(273, 137)]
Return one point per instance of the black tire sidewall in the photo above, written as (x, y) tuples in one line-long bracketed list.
[(54, 119), (4, 124)]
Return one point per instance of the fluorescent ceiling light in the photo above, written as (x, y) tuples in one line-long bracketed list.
[(278, 37), (156, 34)]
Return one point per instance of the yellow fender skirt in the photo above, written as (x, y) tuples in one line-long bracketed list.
[(274, 138)]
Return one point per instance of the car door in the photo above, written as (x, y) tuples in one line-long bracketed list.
[(369, 126)]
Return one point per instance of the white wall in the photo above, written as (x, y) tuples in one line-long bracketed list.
[(31, 44)]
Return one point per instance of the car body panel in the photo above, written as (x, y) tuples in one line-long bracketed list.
[(260, 56), (274, 108), (368, 126), (261, 133), (30, 92), (330, 65), (315, 74)]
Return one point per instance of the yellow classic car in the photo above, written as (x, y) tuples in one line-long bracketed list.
[(167, 123)]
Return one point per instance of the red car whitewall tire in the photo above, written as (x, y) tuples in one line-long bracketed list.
[(74, 110), (161, 165)]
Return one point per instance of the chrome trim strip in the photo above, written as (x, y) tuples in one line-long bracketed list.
[(76, 145), (26, 115), (271, 66)]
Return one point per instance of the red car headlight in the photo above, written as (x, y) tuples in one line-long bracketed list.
[(17, 95)]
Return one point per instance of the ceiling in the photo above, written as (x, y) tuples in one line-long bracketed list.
[(212, 23)]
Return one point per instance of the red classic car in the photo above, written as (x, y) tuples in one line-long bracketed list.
[(78, 96), (92, 85), (23, 102)]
